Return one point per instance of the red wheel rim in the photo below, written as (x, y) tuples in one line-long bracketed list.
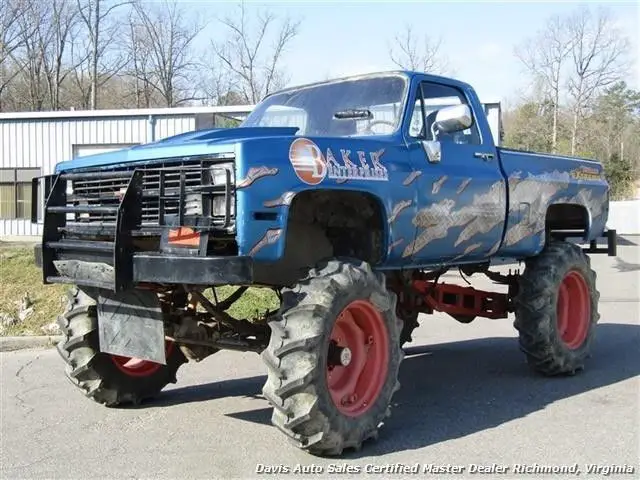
[(573, 309), (136, 367), (361, 337)]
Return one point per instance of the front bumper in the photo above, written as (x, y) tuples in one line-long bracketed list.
[(95, 222), (154, 268)]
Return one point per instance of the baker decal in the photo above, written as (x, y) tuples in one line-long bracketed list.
[(587, 173), (307, 161), (312, 166)]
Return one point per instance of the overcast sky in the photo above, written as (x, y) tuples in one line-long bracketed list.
[(341, 38)]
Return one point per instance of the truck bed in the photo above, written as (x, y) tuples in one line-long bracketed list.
[(537, 182)]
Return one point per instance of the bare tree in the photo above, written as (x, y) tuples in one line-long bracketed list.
[(598, 53), (47, 30), (34, 28), (12, 38), (63, 22), (418, 54), (545, 57), (216, 84), (139, 63), (100, 35), (10, 27), (164, 60), (251, 63)]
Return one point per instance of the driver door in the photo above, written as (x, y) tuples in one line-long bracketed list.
[(461, 195)]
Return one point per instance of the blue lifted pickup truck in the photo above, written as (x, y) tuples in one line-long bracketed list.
[(350, 199)]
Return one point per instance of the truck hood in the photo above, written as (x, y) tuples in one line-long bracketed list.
[(218, 141)]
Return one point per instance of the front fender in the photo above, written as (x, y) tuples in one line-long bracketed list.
[(271, 173), (262, 230)]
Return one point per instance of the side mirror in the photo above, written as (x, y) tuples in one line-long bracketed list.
[(452, 119)]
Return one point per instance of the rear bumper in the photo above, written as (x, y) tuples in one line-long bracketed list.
[(609, 238), (611, 247), (156, 268)]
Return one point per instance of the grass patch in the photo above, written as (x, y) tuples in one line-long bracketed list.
[(19, 276), (254, 302)]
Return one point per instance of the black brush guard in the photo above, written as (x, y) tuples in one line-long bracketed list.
[(110, 245)]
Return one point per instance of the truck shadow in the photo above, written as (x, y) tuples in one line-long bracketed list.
[(240, 387), (623, 266), (452, 390), (466, 387), (628, 240)]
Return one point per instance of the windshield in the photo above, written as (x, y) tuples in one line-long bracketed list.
[(363, 106)]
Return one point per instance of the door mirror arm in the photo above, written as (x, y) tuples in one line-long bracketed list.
[(432, 149)]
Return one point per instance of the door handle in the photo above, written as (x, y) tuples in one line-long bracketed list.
[(484, 156)]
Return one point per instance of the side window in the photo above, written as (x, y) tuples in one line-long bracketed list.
[(15, 192), (436, 96)]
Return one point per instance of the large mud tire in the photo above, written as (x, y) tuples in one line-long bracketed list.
[(556, 309), (299, 385), (103, 377)]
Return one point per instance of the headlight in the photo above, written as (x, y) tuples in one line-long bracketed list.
[(219, 173), (219, 208)]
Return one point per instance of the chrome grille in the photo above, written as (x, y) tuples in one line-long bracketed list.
[(107, 192)]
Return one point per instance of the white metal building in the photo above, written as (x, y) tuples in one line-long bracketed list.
[(32, 143)]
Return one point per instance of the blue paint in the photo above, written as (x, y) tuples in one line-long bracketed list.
[(462, 182), (560, 173)]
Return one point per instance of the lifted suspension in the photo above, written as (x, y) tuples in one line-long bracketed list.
[(462, 301), (421, 292), (201, 327)]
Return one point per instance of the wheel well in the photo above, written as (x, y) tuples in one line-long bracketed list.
[(566, 216), (352, 221)]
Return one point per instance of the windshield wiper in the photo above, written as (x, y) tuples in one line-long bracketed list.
[(353, 113)]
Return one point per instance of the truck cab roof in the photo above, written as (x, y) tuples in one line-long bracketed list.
[(409, 74)]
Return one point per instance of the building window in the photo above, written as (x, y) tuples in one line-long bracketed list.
[(15, 192)]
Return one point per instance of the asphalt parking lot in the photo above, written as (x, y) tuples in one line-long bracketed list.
[(467, 397)]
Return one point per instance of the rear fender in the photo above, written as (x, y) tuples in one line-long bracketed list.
[(554, 180)]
